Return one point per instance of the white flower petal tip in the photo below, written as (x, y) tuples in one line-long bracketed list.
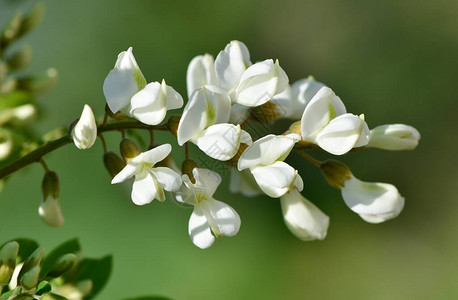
[(306, 221), (211, 218), (375, 202), (51, 213), (394, 137), (201, 72), (277, 179), (150, 182), (260, 82), (220, 141), (122, 82), (84, 133), (150, 104), (267, 150)]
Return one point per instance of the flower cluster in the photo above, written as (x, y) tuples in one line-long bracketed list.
[(224, 95)]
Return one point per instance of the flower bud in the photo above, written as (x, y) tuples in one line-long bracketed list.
[(302, 217), (335, 173), (129, 150), (39, 84), (12, 30), (172, 124), (187, 167), (84, 133), (33, 19), (23, 297), (394, 137), (50, 210), (32, 261), (113, 163), (21, 59), (266, 113), (30, 279), (62, 265), (8, 255)]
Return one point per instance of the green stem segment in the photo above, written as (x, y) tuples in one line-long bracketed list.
[(37, 154)]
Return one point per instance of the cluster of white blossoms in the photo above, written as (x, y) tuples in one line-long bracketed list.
[(224, 94)]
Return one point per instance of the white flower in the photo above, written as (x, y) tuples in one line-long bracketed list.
[(150, 182), (265, 158), (394, 137), (247, 84), (50, 210), (204, 123), (150, 104), (293, 100), (201, 72), (375, 202), (302, 217), (122, 82), (84, 133), (326, 123), (209, 215)]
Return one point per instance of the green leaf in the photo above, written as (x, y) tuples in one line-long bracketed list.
[(6, 295), (14, 99), (71, 246), (26, 247), (98, 270), (43, 287)]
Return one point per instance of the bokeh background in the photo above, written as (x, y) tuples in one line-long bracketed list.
[(395, 61)]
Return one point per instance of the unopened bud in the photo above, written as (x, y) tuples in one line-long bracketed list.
[(8, 255), (62, 265), (172, 124), (50, 210), (113, 163), (234, 160), (33, 19), (85, 286), (21, 59), (335, 173), (23, 297), (295, 128), (129, 150), (266, 113), (30, 279), (11, 31), (32, 261), (168, 162), (39, 84), (187, 167)]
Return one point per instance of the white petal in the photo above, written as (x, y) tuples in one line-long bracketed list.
[(157, 154), (323, 107), (201, 71), (144, 189), (230, 65), (245, 138), (220, 141), (187, 191), (394, 137), (260, 82), (266, 151), (226, 219), (374, 201), (364, 137), (243, 182), (149, 105), (123, 81), (174, 99), (276, 179), (239, 113), (341, 134), (199, 230), (194, 118), (303, 218), (51, 213), (84, 133), (284, 103), (133, 167), (218, 105), (303, 90), (167, 178), (207, 181)]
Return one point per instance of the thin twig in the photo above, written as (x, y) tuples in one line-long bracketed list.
[(104, 143), (44, 164), (309, 158)]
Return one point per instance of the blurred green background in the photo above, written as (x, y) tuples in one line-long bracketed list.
[(395, 61)]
